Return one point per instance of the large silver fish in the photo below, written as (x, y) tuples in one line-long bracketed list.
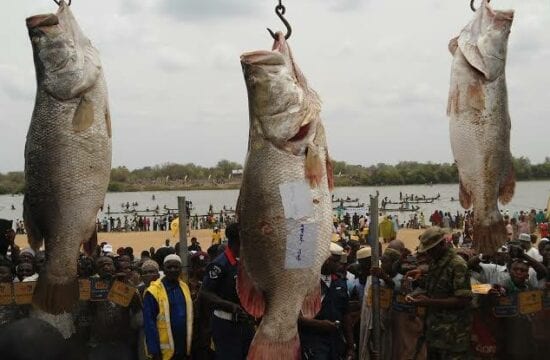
[(480, 122), (67, 154), (284, 206)]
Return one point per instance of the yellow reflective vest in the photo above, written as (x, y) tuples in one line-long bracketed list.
[(157, 290)]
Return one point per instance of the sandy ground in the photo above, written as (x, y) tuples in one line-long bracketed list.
[(144, 240)]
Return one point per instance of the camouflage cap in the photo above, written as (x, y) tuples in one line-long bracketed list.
[(430, 238)]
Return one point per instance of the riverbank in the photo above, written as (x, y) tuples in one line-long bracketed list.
[(140, 241)]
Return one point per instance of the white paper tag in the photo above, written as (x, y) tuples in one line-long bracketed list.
[(297, 200), (301, 244)]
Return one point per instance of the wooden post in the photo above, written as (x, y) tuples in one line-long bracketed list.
[(182, 215), (375, 257)]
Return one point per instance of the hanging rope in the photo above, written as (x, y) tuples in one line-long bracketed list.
[(280, 10)]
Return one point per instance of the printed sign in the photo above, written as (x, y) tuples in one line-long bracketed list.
[(23, 292), (386, 295), (482, 289), (530, 302), (297, 200), (6, 293), (507, 306), (84, 288), (301, 244), (99, 289), (121, 294)]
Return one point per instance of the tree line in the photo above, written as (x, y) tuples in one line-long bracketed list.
[(226, 175)]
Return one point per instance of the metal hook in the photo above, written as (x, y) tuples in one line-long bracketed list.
[(472, 5), (58, 2), (280, 10)]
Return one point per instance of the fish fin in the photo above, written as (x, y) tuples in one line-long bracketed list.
[(84, 115), (488, 238), (507, 187), (264, 349), (453, 45), (314, 168), (108, 122), (252, 299), (312, 303), (464, 196), (330, 172), (55, 297), (35, 237), (90, 245)]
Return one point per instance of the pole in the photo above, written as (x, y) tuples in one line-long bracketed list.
[(182, 215), (375, 257)]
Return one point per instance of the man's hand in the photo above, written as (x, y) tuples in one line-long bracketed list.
[(414, 274), (350, 353), (420, 299)]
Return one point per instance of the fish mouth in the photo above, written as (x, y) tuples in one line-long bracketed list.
[(262, 57), (504, 15), (42, 21)]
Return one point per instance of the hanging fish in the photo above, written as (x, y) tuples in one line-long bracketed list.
[(284, 206), (480, 122), (67, 153)]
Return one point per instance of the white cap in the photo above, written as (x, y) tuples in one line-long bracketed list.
[(364, 253), (524, 237), (172, 257), (107, 248), (336, 249)]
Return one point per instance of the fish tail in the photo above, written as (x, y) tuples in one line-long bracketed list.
[(55, 297), (489, 237), (263, 348)]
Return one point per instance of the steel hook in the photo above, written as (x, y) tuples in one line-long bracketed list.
[(58, 2), (472, 5), (280, 10)]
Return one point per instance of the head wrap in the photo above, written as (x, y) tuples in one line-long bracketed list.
[(392, 254), (150, 264), (172, 257)]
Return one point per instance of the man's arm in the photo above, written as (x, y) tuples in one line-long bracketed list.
[(540, 269), (150, 313), (209, 290)]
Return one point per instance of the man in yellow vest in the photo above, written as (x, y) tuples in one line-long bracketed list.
[(168, 314)]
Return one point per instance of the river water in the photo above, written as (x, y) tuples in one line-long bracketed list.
[(529, 194)]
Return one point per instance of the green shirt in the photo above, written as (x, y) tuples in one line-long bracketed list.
[(448, 329)]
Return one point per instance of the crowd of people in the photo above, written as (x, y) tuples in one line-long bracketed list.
[(430, 306)]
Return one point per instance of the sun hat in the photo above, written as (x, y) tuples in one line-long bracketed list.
[(430, 238)]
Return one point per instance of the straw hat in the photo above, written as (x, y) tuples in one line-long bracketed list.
[(364, 253)]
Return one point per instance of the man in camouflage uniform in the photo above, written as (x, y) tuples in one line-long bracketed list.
[(447, 297)]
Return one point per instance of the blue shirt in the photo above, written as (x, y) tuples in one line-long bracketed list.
[(221, 275), (178, 321)]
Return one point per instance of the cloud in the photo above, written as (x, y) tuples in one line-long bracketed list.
[(15, 84), (346, 5), (198, 10)]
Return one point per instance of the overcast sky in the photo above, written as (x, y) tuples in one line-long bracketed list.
[(381, 67)]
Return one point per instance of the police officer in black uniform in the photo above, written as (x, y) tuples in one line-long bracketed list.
[(232, 328), (329, 336)]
